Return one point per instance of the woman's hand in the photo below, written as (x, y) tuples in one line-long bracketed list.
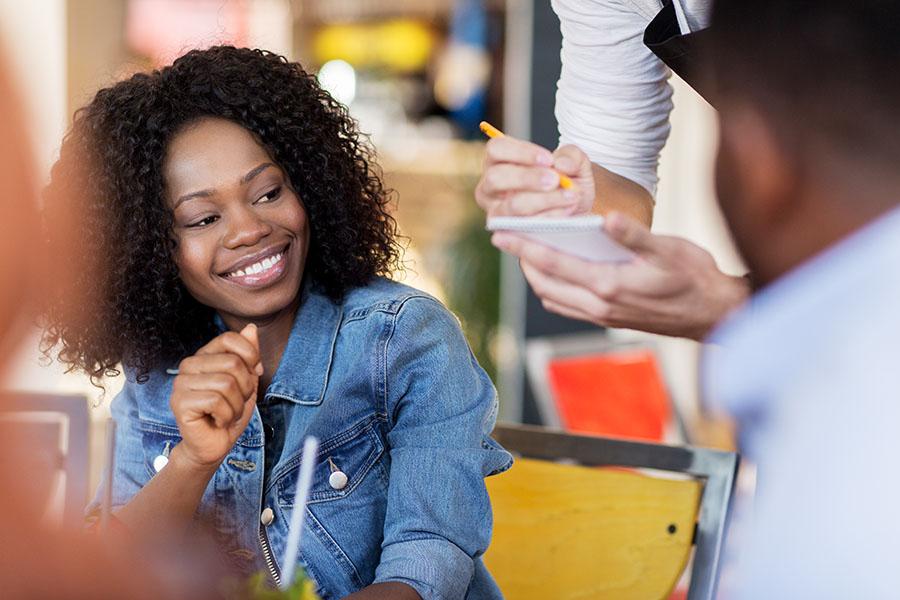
[(522, 179), (214, 395)]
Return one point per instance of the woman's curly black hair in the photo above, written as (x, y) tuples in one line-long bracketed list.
[(125, 302)]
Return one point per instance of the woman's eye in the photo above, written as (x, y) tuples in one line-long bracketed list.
[(270, 196), (205, 221)]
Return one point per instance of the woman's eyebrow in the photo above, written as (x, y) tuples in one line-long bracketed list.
[(186, 197), (209, 192), (254, 172)]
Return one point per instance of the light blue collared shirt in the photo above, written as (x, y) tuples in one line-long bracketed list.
[(811, 371)]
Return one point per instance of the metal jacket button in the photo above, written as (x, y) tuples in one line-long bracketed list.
[(338, 479), (159, 462), (267, 516), (163, 459)]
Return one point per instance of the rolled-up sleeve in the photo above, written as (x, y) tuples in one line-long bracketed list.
[(613, 98), (441, 407)]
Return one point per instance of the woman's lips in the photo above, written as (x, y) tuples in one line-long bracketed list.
[(265, 271)]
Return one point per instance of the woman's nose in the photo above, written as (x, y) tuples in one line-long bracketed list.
[(246, 229)]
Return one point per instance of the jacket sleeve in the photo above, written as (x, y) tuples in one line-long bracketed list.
[(441, 406), (130, 471)]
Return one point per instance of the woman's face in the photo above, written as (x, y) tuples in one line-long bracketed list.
[(241, 231)]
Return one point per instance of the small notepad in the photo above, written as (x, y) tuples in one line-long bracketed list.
[(579, 236)]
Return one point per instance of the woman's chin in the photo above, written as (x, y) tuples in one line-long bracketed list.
[(262, 307)]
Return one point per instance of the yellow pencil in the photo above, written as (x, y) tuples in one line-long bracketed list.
[(492, 132)]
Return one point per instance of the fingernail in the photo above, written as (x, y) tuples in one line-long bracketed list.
[(545, 159), (613, 221), (549, 180), (259, 369), (565, 164), (570, 195)]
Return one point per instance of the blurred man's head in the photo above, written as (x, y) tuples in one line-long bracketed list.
[(19, 236), (809, 99)]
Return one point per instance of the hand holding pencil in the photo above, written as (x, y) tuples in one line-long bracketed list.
[(523, 179)]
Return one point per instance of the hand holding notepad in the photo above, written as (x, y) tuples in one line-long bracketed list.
[(582, 237)]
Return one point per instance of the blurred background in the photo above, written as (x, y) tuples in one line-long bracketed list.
[(418, 76)]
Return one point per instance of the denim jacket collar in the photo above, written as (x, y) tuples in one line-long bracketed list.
[(302, 373)]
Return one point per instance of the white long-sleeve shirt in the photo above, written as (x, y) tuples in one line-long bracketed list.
[(613, 98)]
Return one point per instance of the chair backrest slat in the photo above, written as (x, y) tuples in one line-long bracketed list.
[(710, 473), (61, 428)]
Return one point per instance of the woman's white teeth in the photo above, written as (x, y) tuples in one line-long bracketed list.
[(256, 268)]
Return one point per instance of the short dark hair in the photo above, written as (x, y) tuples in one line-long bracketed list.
[(127, 303), (824, 71)]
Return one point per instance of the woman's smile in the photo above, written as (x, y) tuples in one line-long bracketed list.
[(261, 269)]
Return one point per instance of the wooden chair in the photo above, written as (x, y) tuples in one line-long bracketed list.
[(57, 429), (567, 531)]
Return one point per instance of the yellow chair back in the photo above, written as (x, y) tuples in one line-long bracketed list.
[(571, 532)]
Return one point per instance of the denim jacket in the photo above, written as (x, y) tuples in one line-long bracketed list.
[(387, 383)]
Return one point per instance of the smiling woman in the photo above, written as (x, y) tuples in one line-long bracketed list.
[(117, 164), (235, 242), (227, 197)]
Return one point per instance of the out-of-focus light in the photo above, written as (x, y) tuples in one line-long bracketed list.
[(339, 79), (165, 29), (403, 45), (462, 72)]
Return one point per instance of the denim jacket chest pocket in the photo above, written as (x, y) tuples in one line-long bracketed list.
[(355, 453), (158, 440), (345, 522)]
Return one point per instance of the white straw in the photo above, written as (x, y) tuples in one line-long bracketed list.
[(109, 466), (304, 482)]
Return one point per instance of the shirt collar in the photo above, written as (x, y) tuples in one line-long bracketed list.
[(754, 351)]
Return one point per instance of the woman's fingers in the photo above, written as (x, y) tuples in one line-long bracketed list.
[(226, 363), (241, 423), (223, 384), (235, 343), (251, 334), (195, 405)]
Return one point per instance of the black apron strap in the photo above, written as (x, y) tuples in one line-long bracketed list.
[(682, 53)]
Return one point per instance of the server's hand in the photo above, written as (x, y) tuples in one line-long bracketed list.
[(673, 287), (522, 179)]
